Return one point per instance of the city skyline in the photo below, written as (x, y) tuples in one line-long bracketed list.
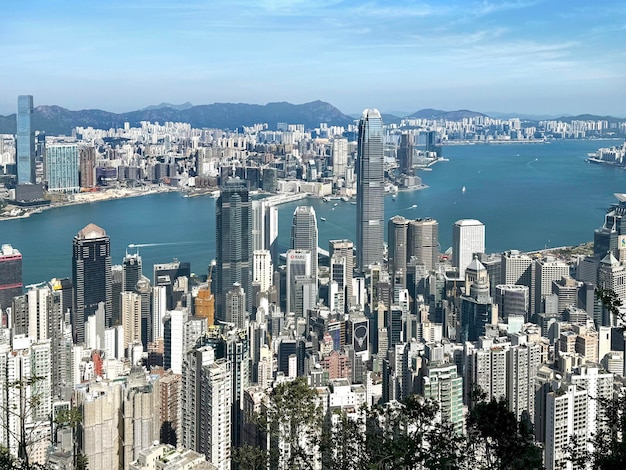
[(524, 57)]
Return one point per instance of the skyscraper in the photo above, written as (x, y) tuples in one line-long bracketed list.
[(25, 141), (340, 157), (62, 168), (370, 190), (344, 249), (304, 234), (423, 242), (405, 153), (233, 233), (468, 237), (397, 229), (131, 272), (10, 275), (91, 276)]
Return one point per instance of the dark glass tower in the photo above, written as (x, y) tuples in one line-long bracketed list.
[(233, 242), (370, 190), (10, 276), (91, 275)]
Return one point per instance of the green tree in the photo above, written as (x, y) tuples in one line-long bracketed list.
[(410, 435), (609, 443), (498, 441), (611, 302)]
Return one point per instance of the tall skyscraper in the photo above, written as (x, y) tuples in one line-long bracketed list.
[(423, 242), (25, 141), (344, 249), (62, 167), (468, 237), (131, 272), (10, 276), (300, 295), (370, 198), (304, 234), (233, 233), (405, 153), (397, 230), (87, 170), (91, 276)]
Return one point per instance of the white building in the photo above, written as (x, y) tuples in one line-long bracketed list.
[(468, 237)]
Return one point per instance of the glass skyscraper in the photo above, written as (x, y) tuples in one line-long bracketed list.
[(370, 208), (304, 234), (233, 242), (91, 274), (25, 141)]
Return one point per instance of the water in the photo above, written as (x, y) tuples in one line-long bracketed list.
[(529, 196)]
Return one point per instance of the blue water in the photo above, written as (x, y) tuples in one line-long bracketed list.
[(529, 196)]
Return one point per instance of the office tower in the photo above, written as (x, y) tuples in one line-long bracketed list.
[(337, 287), (87, 167), (10, 276), (304, 234), (397, 230), (340, 157), (236, 307), (144, 289), (262, 270), (476, 312), (468, 238), (442, 383), (91, 276), (516, 268), (475, 272), (287, 348), (131, 272), (405, 154), (370, 198), (423, 242), (173, 348), (344, 249), (512, 299), (25, 141), (606, 238), (300, 283), (547, 270), (206, 406), (61, 165), (612, 275), (566, 289), (493, 264), (131, 317), (233, 242), (167, 275)]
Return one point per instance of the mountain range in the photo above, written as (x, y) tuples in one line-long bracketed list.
[(55, 120)]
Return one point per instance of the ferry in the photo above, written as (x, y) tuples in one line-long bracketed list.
[(413, 206), (323, 219), (463, 189)]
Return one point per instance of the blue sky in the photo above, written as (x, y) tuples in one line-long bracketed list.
[(540, 57)]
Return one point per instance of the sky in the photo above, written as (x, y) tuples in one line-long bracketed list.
[(537, 57)]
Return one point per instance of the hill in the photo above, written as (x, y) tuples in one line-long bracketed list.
[(55, 120)]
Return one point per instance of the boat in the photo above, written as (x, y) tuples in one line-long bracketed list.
[(336, 204), (323, 219), (393, 196), (413, 206), (463, 189), (353, 203)]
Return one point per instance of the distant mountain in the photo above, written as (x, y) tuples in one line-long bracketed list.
[(55, 120), (589, 117), (391, 118), (430, 113), (178, 107)]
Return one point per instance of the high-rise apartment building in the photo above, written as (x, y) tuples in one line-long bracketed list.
[(340, 157), (87, 167), (370, 198), (61, 168), (91, 276), (468, 238), (547, 270), (25, 141), (131, 317), (233, 232), (10, 275)]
